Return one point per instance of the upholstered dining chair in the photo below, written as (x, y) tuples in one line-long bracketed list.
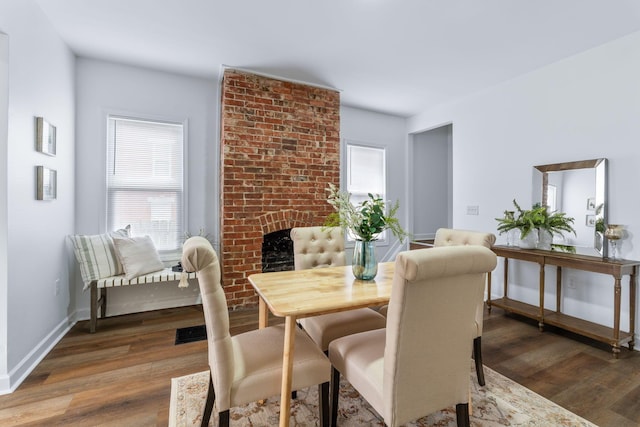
[(317, 247), (419, 363), (455, 237), (247, 367)]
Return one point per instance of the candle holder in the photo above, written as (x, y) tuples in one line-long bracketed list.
[(613, 233)]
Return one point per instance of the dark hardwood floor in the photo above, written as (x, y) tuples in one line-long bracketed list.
[(121, 375)]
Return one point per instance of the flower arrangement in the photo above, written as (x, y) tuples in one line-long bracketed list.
[(366, 220)]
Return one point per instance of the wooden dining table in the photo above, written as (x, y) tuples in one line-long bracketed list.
[(303, 293)]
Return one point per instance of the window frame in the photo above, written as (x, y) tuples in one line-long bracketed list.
[(166, 255), (383, 240)]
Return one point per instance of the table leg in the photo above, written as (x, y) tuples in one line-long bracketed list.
[(632, 308), (616, 317), (263, 314), (287, 370), (541, 316), (558, 288), (506, 276)]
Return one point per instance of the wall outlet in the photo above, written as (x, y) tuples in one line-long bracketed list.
[(56, 288), (473, 210), (572, 282)]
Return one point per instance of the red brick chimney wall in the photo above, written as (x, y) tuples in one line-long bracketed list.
[(280, 148)]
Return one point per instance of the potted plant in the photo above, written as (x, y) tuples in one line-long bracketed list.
[(530, 222), (364, 222)]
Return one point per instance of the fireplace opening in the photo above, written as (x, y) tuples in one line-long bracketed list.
[(277, 251)]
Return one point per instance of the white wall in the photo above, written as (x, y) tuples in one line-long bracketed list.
[(583, 107), (41, 83), (104, 88), (4, 121), (384, 131)]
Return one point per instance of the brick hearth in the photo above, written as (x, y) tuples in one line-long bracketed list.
[(280, 148)]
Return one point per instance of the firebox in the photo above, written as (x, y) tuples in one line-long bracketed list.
[(277, 251)]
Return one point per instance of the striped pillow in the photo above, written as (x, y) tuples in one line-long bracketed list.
[(97, 256)]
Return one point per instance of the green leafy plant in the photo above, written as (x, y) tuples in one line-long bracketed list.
[(538, 217), (366, 220)]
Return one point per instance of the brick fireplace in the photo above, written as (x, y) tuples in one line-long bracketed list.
[(280, 148)]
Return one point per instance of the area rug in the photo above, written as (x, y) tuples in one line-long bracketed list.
[(501, 402)]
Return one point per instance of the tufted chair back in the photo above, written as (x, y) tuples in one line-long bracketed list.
[(317, 247), (451, 237)]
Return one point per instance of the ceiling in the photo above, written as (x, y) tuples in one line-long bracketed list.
[(399, 57)]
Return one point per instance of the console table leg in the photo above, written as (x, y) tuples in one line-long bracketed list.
[(616, 316), (632, 308), (541, 315), (616, 351)]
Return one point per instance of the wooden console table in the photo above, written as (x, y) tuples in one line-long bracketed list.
[(615, 268)]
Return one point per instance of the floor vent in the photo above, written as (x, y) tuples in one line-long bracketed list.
[(191, 334)]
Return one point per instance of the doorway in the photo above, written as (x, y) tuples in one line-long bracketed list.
[(431, 182)]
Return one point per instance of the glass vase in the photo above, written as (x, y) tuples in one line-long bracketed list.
[(613, 233), (364, 264)]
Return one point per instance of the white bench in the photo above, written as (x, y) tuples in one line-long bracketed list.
[(99, 289)]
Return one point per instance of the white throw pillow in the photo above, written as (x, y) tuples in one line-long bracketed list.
[(96, 254), (138, 256)]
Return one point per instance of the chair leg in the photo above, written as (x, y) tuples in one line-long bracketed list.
[(223, 419), (334, 392), (208, 407), (462, 414), (323, 400), (477, 357)]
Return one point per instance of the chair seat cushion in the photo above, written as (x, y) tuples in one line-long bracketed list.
[(257, 363), (327, 327), (360, 359)]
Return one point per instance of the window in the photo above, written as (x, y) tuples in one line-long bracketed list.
[(145, 183), (365, 173)]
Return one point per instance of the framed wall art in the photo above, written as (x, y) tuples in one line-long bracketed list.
[(45, 137), (46, 183)]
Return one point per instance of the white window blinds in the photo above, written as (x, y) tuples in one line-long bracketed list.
[(145, 179), (366, 173)]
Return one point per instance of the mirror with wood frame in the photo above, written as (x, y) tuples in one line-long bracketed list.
[(579, 189)]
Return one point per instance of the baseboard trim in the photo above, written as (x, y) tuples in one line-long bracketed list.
[(10, 382)]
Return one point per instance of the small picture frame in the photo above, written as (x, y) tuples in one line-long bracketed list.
[(45, 137), (46, 183), (591, 204), (590, 221)]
